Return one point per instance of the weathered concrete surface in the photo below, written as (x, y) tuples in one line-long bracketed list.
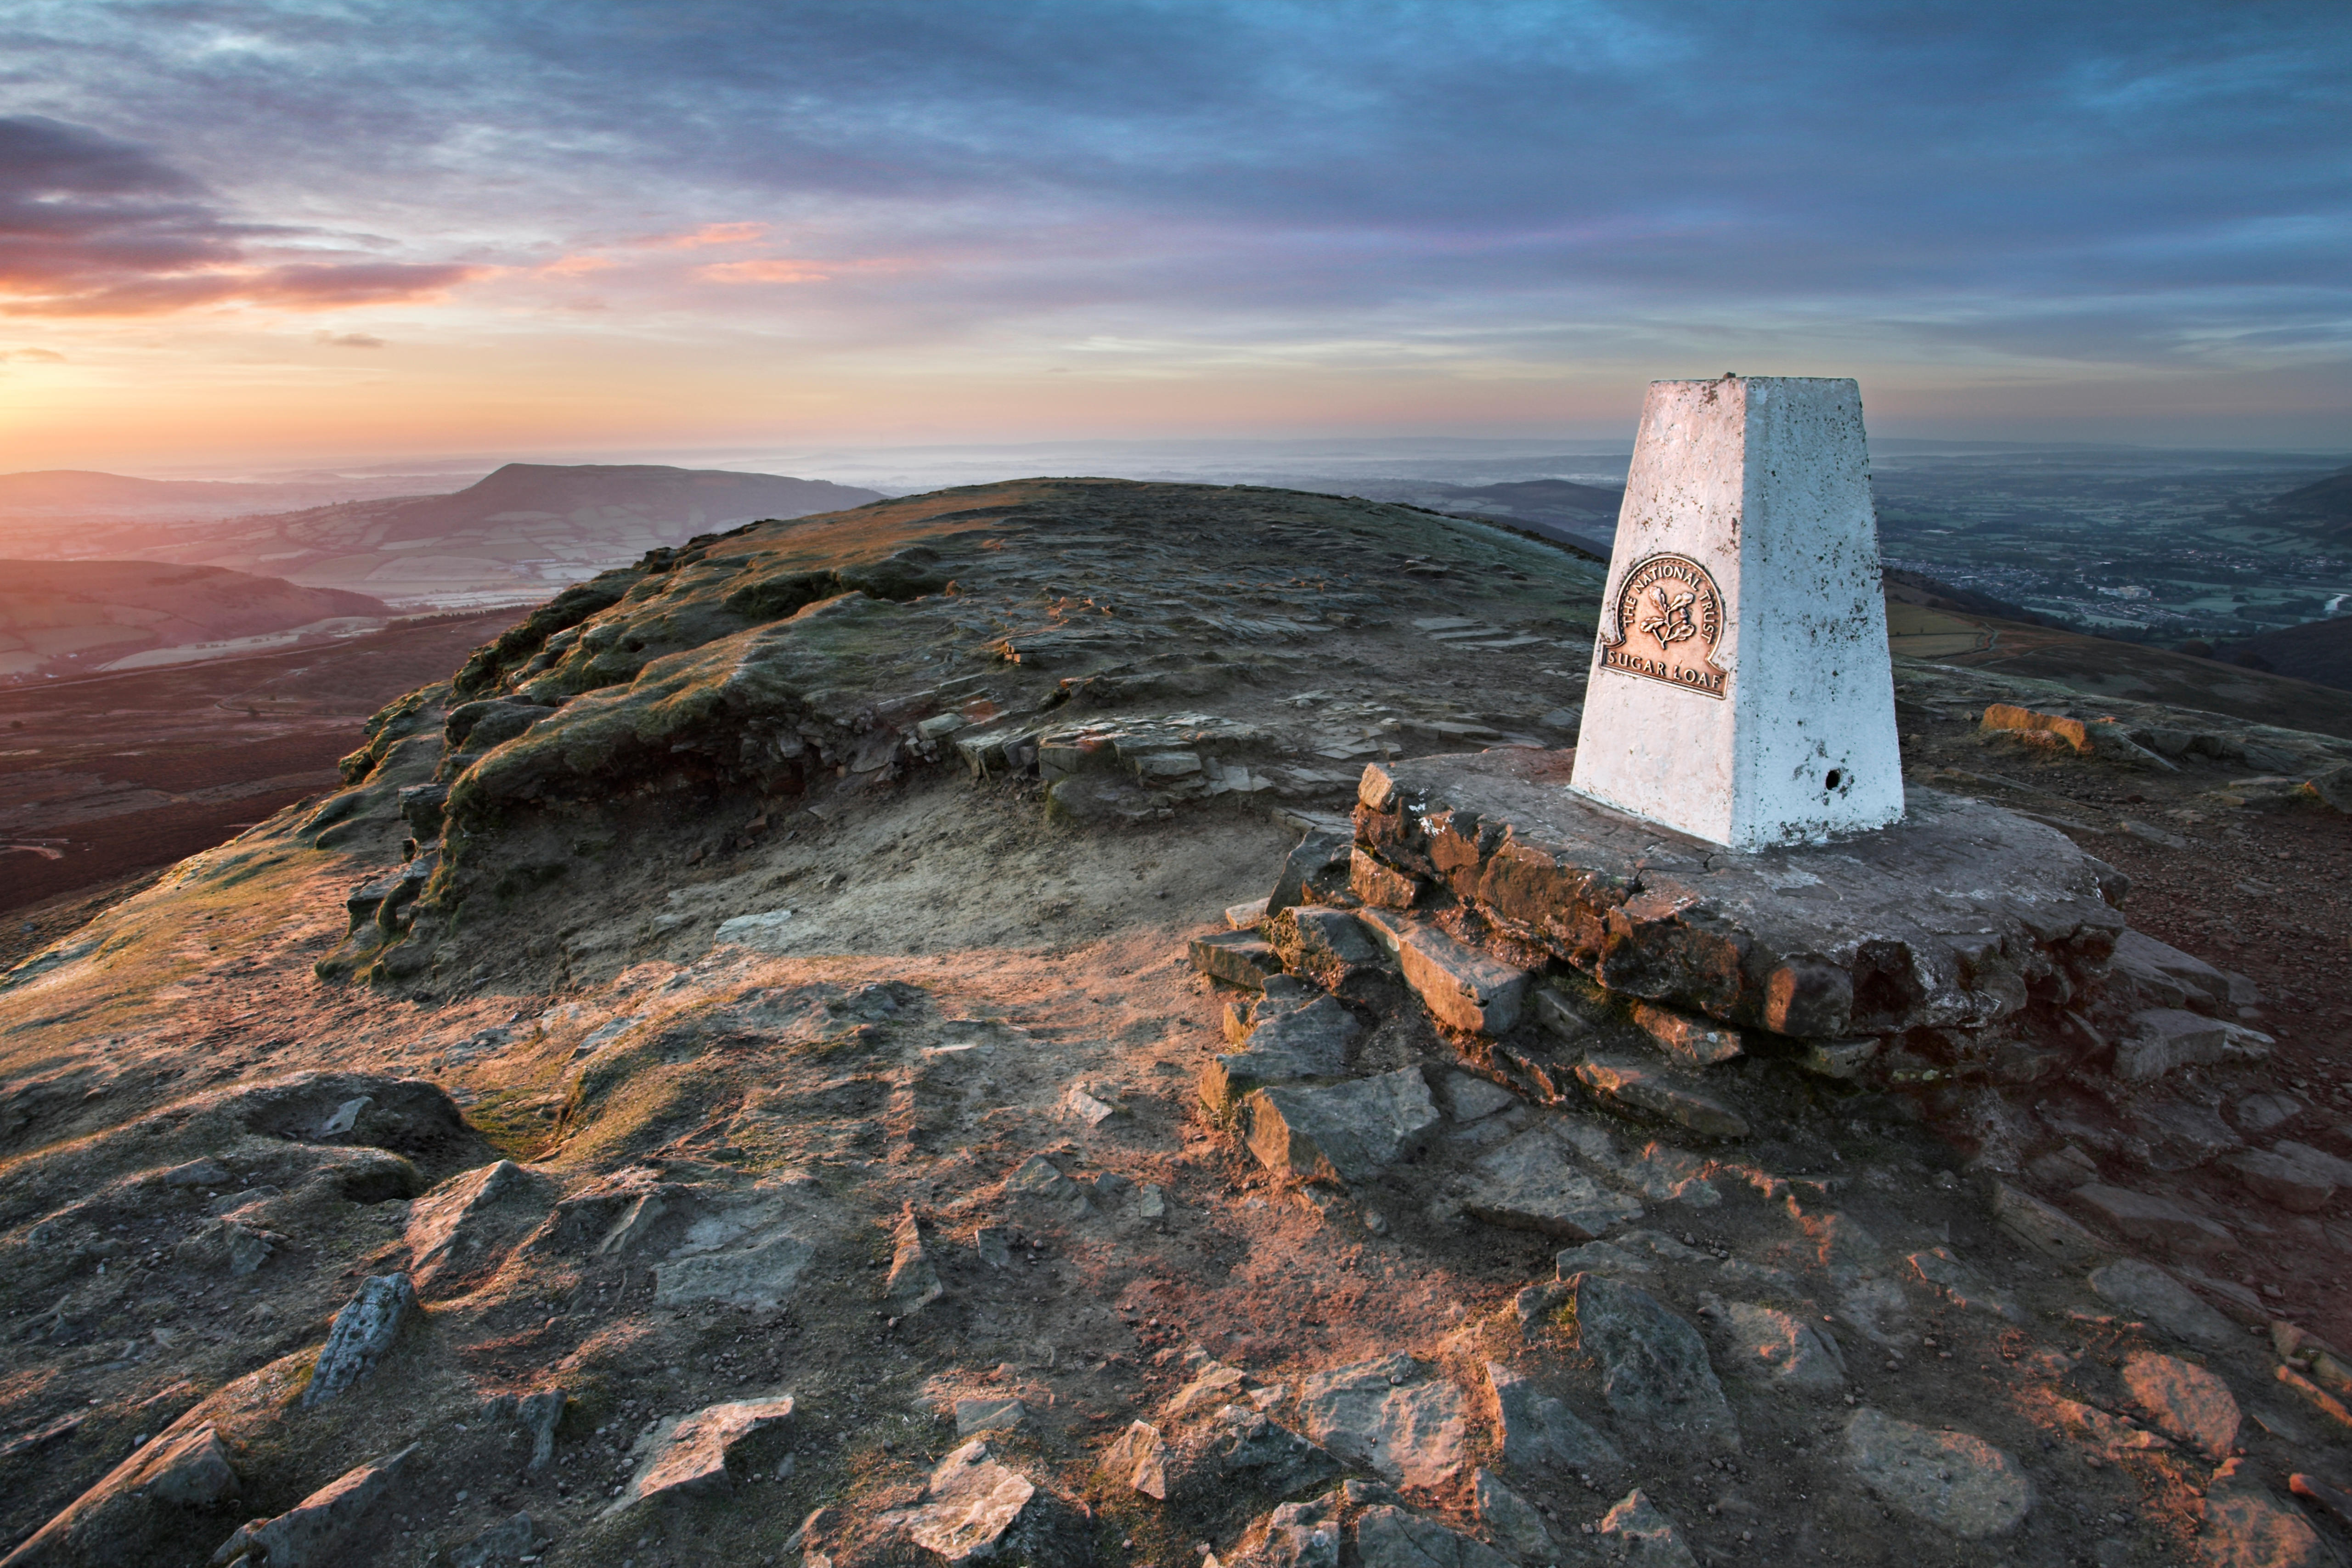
[(1741, 688), (1955, 921)]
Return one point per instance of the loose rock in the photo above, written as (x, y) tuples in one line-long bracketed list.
[(362, 1332), (2144, 1218), (976, 1510), (2148, 1292), (687, 1455), (1654, 1371), (1540, 1432), (1460, 986), (1342, 1131), (113, 1521), (317, 1529), (1529, 1185), (1950, 1479), (1640, 1087), (2184, 1401), (2043, 1227), (1638, 1529), (1393, 1416), (913, 1284), (1510, 1520), (990, 1415)]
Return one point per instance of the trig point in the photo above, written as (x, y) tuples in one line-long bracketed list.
[(1741, 688)]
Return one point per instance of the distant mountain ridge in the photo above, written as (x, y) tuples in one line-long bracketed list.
[(73, 617), (513, 536)]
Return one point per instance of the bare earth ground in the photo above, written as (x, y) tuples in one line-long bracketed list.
[(954, 965), (105, 777)]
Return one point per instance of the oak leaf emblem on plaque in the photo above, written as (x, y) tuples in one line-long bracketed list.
[(1664, 623)]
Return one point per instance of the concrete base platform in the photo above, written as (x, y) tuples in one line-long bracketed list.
[(1958, 920)]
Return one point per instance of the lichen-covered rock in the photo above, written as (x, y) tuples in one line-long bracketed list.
[(363, 1332)]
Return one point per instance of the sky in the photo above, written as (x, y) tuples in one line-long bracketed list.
[(238, 236)]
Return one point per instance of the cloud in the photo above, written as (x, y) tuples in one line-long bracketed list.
[(42, 356), (776, 270), (709, 234), (90, 226), (346, 340)]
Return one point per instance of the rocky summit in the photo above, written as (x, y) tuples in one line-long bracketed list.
[(1074, 1021)]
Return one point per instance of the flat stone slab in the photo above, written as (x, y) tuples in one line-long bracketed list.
[(1461, 986), (1339, 1131), (1393, 1415), (688, 1454), (1952, 1480), (1539, 1432), (1306, 1042), (2149, 1292), (2184, 1401), (1940, 922), (1530, 1184)]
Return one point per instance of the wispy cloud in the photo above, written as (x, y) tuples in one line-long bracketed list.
[(90, 226), (347, 340)]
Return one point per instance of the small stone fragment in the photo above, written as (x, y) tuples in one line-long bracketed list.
[(994, 1245), (1241, 1448), (2296, 1176), (1237, 958), (1039, 1180), (1297, 1535), (1139, 1461), (913, 1284), (1698, 1042), (1297, 1043), (1382, 886), (1655, 1370), (1640, 1087), (1529, 1185), (988, 1415), (1342, 1131), (1540, 1432), (316, 1530), (2112, 1433), (362, 1331), (1389, 1536), (1393, 1415), (2246, 1527), (346, 1117), (1839, 1058), (445, 1226), (1951, 1479), (2163, 1039), (1212, 1385), (1476, 1099), (688, 1453), (2148, 1292), (197, 1174), (1461, 986), (1247, 915), (977, 1510), (1333, 936), (2184, 1401), (1638, 1531)]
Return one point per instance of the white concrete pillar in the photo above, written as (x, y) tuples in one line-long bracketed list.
[(1741, 689)]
